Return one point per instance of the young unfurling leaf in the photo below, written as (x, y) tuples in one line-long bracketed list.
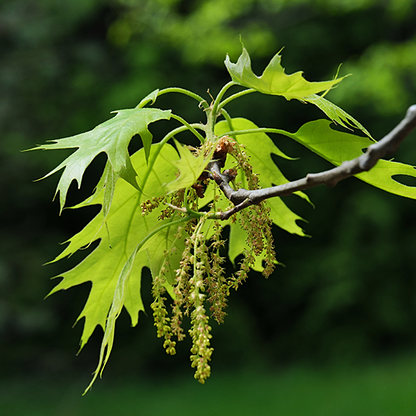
[(189, 166)]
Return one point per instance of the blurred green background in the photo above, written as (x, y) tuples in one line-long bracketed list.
[(331, 333)]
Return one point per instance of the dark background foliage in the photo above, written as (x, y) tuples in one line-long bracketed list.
[(346, 295)]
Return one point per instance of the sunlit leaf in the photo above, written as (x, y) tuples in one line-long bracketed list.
[(274, 80), (260, 148), (189, 166), (126, 227), (112, 138), (150, 98), (337, 147), (115, 310), (335, 113)]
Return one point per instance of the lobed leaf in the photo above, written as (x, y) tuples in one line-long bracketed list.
[(337, 147), (115, 310), (154, 254), (126, 227), (111, 137), (189, 166), (260, 148), (335, 113), (274, 80)]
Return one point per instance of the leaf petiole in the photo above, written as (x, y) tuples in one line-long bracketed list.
[(259, 130), (217, 101), (191, 94), (228, 118), (191, 127), (235, 96)]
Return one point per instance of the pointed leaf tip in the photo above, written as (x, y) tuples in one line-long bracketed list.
[(274, 81), (189, 166), (112, 138)]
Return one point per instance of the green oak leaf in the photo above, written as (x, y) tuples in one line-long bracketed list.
[(189, 166), (337, 147), (335, 113), (150, 98), (111, 137), (154, 248), (260, 148), (114, 267), (117, 304), (274, 80), (264, 166)]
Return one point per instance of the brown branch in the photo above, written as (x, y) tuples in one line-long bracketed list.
[(243, 198)]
